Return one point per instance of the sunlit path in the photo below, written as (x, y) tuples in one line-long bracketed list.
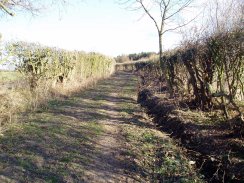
[(75, 140)]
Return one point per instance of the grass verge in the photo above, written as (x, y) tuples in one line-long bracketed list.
[(155, 154), (48, 146), (160, 158)]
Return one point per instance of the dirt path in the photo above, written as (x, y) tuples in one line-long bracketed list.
[(99, 135), (110, 165)]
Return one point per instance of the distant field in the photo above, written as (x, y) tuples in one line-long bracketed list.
[(9, 76)]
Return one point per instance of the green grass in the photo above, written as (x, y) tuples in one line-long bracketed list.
[(159, 156), (6, 76), (50, 146)]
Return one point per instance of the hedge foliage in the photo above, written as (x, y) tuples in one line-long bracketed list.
[(47, 74), (44, 63), (210, 69)]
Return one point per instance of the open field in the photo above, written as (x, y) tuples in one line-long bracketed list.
[(10, 80), (9, 76)]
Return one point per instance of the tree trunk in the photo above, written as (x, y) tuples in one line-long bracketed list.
[(162, 64), (163, 67)]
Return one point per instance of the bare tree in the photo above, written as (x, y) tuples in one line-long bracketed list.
[(164, 14)]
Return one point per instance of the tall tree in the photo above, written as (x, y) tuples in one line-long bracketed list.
[(164, 14)]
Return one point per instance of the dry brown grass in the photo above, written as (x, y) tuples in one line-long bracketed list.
[(14, 100), (11, 103)]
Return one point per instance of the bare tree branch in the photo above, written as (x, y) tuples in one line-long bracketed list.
[(10, 7), (167, 10), (4, 8), (180, 26), (149, 14), (180, 9)]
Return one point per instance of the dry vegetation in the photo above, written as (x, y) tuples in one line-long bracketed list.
[(208, 73)]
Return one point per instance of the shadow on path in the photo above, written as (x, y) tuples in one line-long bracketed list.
[(77, 139)]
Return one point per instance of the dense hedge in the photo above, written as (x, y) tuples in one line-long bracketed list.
[(44, 63), (213, 67), (211, 70), (47, 74)]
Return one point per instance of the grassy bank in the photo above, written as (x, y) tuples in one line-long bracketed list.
[(155, 154)]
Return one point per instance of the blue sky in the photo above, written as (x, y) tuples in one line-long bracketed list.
[(96, 25)]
